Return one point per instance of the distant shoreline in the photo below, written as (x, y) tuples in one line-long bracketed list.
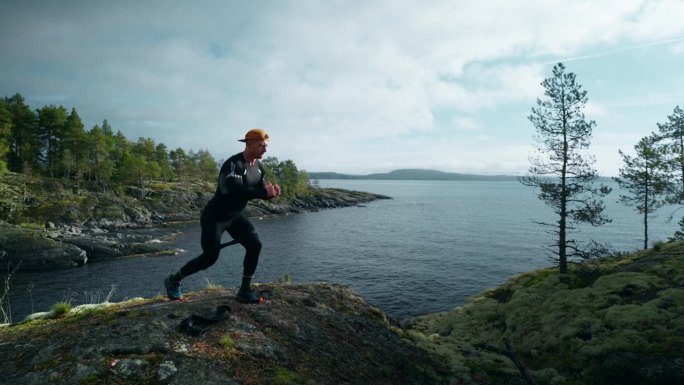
[(421, 174), (411, 174)]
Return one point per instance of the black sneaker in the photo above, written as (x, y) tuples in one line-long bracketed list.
[(173, 290), (250, 296)]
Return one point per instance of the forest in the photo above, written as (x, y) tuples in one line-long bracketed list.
[(52, 142)]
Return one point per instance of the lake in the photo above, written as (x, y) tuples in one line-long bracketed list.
[(428, 249)]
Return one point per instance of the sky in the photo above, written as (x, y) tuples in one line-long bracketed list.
[(353, 87)]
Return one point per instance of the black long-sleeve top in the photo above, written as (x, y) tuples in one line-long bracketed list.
[(237, 184)]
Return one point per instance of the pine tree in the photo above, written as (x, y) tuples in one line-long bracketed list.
[(74, 149), (672, 137), (161, 156), (646, 179), (178, 162), (144, 153), (51, 122), (207, 166), (120, 155), (24, 144), (100, 165), (564, 176)]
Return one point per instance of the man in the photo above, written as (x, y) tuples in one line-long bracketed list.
[(241, 178)]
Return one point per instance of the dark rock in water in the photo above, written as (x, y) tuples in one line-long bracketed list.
[(32, 249), (119, 242), (78, 256), (95, 248)]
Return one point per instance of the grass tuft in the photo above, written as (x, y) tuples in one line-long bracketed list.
[(61, 308), (227, 341)]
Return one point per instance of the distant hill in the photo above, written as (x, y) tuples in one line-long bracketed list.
[(411, 174)]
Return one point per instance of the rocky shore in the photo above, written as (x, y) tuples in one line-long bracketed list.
[(302, 334), (44, 225), (617, 321)]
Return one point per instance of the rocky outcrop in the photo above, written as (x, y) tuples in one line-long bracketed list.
[(302, 334), (49, 249), (46, 226), (317, 199), (616, 321), (33, 249), (114, 243)]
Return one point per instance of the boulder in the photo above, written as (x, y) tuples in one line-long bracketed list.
[(30, 249)]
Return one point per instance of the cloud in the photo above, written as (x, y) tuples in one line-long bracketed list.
[(466, 123), (335, 83)]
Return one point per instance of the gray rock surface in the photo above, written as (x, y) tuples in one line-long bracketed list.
[(302, 334)]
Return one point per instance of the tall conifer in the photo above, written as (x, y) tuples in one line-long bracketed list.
[(564, 174), (645, 178)]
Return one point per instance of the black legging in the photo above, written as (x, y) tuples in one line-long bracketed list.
[(239, 229)]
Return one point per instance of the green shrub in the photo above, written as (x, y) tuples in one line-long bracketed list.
[(657, 246), (61, 308)]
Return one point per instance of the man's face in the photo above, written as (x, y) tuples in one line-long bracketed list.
[(256, 148)]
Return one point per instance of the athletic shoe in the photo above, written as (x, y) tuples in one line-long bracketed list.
[(250, 296), (173, 290)]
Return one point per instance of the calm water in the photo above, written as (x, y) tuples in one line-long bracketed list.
[(428, 249)]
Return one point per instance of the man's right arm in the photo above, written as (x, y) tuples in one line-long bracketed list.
[(229, 180)]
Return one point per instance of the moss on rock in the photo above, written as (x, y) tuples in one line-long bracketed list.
[(570, 329)]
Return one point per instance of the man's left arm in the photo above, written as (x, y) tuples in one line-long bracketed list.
[(272, 190)]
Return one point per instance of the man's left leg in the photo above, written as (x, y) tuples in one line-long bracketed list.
[(242, 230)]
